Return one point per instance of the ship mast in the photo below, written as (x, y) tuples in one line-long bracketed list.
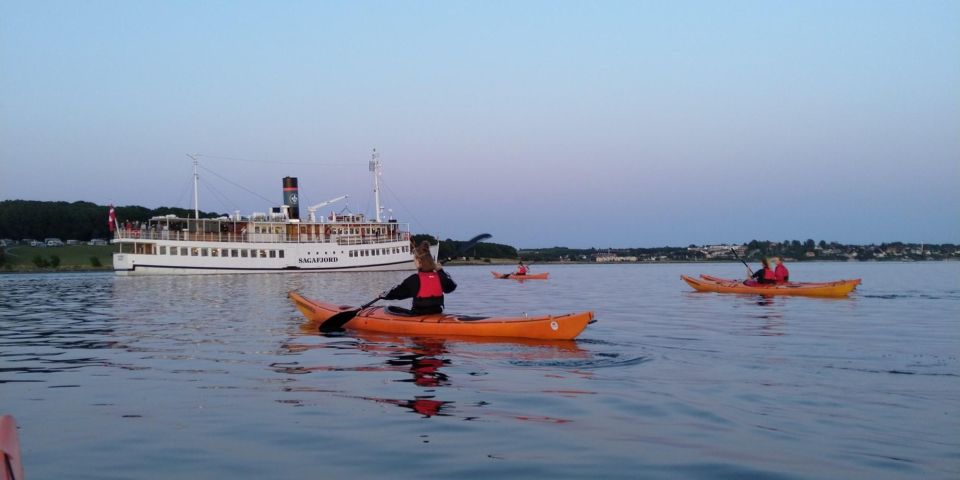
[(196, 196), (375, 168)]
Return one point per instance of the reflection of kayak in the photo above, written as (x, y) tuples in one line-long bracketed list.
[(839, 288), (9, 450), (529, 276), (387, 320)]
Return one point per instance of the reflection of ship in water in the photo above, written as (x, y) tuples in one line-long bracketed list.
[(426, 358)]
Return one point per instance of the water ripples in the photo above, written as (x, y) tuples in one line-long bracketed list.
[(204, 377)]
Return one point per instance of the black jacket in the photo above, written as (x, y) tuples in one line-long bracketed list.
[(421, 306)]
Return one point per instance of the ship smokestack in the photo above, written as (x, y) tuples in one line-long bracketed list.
[(291, 196)]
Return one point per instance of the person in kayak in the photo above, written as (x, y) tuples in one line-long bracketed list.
[(426, 287), (781, 274), (521, 269), (763, 276)]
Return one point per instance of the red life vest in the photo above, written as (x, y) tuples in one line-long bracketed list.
[(768, 274), (521, 270), (782, 274), (429, 285)]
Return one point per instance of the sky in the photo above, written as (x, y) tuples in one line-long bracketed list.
[(544, 123)]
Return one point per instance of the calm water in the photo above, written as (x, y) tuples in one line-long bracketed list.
[(215, 377)]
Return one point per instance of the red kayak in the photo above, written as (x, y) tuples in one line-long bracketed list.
[(10, 450), (529, 276)]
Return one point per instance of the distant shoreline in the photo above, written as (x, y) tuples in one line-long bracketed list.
[(492, 263)]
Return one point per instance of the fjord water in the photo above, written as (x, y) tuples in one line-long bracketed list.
[(219, 376)]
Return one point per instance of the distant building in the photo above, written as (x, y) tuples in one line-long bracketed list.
[(720, 251), (610, 257)]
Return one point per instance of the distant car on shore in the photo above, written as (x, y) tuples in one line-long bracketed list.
[(97, 241), (53, 242), (73, 242), (6, 242)]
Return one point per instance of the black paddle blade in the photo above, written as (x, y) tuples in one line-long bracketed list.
[(336, 322), (467, 246)]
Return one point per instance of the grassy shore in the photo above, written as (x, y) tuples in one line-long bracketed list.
[(20, 259)]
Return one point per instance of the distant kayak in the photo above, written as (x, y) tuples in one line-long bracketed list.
[(389, 320), (706, 283), (10, 450), (529, 276)]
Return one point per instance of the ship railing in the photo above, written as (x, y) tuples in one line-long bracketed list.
[(179, 235)]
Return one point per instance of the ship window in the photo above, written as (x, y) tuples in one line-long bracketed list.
[(173, 250), (194, 252), (263, 254), (233, 253), (243, 253), (204, 252), (280, 253), (273, 254), (183, 251), (163, 250), (214, 252)]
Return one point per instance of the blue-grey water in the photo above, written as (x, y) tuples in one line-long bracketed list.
[(215, 377)]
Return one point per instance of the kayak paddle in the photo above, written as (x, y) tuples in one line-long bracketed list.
[(337, 321), (741, 261)]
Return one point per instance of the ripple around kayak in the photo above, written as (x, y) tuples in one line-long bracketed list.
[(840, 288), (385, 320)]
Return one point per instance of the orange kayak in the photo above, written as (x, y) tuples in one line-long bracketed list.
[(9, 450), (529, 276), (387, 320), (840, 288)]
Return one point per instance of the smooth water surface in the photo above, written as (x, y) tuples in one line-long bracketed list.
[(219, 377)]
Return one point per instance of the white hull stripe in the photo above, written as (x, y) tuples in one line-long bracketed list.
[(283, 269)]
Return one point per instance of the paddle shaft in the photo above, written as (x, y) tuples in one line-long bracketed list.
[(741, 261), (337, 321)]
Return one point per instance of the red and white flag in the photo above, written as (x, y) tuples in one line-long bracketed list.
[(112, 220)]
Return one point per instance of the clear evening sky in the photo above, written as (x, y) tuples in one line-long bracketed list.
[(605, 124)]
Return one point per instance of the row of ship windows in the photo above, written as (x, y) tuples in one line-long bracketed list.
[(220, 252), (254, 253), (379, 251)]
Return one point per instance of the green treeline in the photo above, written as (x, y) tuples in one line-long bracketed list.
[(792, 250), (83, 221), (449, 248)]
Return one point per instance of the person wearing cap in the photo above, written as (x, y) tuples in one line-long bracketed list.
[(426, 287)]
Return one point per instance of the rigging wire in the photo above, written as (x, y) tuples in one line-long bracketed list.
[(224, 201), (183, 193), (236, 184), (409, 211), (275, 162)]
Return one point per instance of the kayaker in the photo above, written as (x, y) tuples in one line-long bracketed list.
[(426, 287), (781, 274), (763, 276), (521, 269)]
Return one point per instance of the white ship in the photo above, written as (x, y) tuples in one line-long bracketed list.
[(273, 242)]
